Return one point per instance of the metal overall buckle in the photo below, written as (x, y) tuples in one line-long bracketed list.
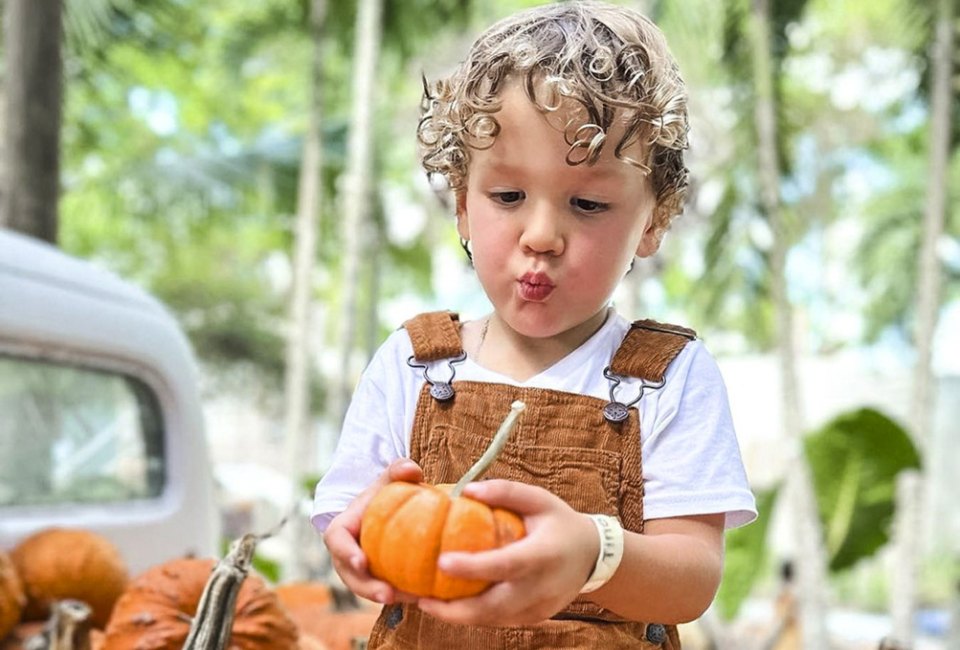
[(617, 411), (439, 390)]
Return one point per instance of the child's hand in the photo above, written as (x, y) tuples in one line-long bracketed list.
[(343, 533), (535, 577)]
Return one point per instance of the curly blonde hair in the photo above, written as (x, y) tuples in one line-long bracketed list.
[(611, 61)]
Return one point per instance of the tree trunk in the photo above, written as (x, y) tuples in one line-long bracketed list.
[(953, 634), (30, 169), (300, 451), (356, 199), (375, 276), (910, 497), (810, 562)]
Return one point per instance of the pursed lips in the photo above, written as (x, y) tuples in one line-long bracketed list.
[(535, 287)]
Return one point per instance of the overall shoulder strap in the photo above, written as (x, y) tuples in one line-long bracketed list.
[(648, 349), (435, 335)]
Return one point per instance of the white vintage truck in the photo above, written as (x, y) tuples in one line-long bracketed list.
[(100, 417)]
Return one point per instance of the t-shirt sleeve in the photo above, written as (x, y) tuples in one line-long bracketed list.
[(691, 458), (373, 433)]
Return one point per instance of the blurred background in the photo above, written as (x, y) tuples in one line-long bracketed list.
[(253, 164)]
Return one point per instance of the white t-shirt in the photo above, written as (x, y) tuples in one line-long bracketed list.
[(691, 459)]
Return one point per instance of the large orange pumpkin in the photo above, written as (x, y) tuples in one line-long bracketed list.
[(60, 563), (330, 616), (406, 526), (305, 593), (17, 638), (307, 642), (12, 598), (155, 611), (68, 628)]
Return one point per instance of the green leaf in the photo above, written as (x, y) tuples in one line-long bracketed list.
[(854, 460), (745, 556)]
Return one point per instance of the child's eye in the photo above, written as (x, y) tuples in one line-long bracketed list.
[(588, 206), (507, 198)]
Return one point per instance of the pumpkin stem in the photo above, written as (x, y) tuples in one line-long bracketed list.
[(212, 624), (490, 455), (68, 628), (344, 600)]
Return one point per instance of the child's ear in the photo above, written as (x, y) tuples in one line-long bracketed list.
[(463, 225), (650, 241)]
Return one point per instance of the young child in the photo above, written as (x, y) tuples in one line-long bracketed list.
[(562, 137)]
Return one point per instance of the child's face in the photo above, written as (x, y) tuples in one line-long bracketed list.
[(551, 241)]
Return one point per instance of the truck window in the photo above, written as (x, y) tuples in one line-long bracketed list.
[(72, 435)]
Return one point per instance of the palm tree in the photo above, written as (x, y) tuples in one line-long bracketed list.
[(392, 25), (298, 369), (929, 280), (30, 162), (356, 200), (811, 562)]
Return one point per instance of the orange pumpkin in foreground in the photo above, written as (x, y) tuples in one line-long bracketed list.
[(155, 611), (12, 599), (306, 593), (22, 632), (58, 563), (406, 527), (324, 619)]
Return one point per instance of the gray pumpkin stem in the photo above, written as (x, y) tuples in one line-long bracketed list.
[(68, 628), (213, 622)]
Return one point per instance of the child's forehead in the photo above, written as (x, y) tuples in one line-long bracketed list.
[(564, 114), (528, 136)]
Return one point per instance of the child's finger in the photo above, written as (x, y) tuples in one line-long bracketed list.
[(495, 607), (343, 547), (404, 469), (351, 565), (521, 498), (510, 562), (492, 607)]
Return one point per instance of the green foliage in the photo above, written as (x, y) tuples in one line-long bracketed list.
[(854, 460), (745, 556), (866, 585), (407, 24), (892, 220), (309, 483), (182, 140)]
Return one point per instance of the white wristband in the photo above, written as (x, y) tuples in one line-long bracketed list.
[(611, 552)]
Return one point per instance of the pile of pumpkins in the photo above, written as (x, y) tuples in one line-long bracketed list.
[(153, 611)]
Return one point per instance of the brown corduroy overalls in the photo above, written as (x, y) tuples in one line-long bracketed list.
[(562, 443)]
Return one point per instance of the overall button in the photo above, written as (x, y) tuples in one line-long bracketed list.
[(394, 616), (656, 633)]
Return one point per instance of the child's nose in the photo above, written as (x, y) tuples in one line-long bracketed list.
[(542, 233)]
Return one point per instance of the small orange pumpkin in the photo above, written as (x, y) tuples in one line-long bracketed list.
[(406, 527), (155, 611), (12, 598), (60, 563)]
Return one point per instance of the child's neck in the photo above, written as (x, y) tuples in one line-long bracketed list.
[(496, 346)]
